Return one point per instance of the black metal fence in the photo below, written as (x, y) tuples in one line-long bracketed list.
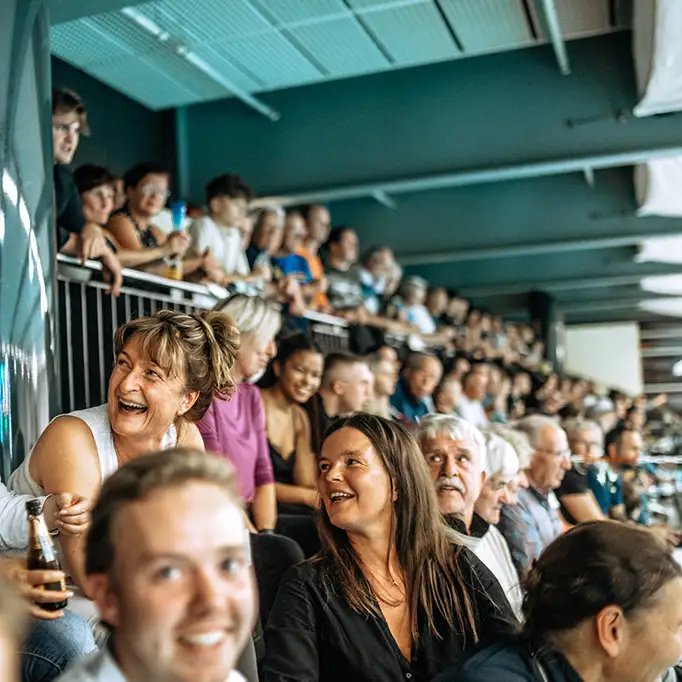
[(89, 316)]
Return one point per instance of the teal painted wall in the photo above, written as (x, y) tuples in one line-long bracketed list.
[(470, 113), (501, 109), (123, 132)]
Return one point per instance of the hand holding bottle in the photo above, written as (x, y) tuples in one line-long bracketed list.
[(30, 584), (177, 243)]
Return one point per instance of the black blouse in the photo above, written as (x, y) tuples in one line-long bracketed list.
[(313, 637)]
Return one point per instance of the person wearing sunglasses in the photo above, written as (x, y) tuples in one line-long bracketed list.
[(141, 245)]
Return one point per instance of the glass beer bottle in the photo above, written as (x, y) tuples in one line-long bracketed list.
[(42, 555)]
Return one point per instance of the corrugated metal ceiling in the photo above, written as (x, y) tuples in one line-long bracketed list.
[(261, 45)]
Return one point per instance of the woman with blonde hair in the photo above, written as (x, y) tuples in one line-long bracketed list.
[(235, 428), (168, 369), (389, 596)]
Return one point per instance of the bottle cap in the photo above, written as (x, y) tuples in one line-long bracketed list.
[(34, 507)]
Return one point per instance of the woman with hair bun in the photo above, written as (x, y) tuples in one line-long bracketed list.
[(235, 428), (603, 604), (168, 369)]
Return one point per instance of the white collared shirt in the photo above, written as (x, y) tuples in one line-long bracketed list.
[(101, 667), (13, 526), (472, 411)]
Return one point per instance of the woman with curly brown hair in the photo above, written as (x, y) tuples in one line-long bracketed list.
[(168, 369), (390, 596)]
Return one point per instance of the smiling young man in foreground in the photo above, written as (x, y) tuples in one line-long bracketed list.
[(168, 565)]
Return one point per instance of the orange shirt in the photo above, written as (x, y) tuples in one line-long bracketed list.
[(317, 272)]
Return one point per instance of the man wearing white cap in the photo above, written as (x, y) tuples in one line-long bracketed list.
[(455, 452)]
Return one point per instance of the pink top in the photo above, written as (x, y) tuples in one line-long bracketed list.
[(235, 429)]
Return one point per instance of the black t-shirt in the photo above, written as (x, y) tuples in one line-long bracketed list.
[(68, 208), (314, 635), (574, 483)]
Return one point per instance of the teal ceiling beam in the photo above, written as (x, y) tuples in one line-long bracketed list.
[(672, 332), (662, 387), (607, 316), (549, 14), (574, 284), (537, 248), (479, 120), (460, 178), (663, 352), (589, 176), (62, 11), (384, 199), (625, 303)]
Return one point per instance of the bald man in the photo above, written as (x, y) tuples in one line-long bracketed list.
[(347, 384)]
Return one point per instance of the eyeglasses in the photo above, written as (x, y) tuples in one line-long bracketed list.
[(559, 454), (151, 190), (589, 444)]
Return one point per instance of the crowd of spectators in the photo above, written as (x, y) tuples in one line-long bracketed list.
[(446, 509)]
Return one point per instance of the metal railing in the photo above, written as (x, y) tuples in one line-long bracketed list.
[(89, 317)]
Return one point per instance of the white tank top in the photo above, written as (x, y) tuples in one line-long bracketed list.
[(97, 419)]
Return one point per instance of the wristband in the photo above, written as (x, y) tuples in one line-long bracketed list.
[(266, 531)]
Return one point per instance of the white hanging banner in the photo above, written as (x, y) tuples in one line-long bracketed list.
[(657, 51)]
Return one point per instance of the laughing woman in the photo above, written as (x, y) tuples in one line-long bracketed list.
[(298, 367), (168, 369), (390, 596)]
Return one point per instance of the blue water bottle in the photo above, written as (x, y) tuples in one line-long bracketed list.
[(178, 213)]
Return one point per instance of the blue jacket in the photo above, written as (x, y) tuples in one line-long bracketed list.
[(413, 410)]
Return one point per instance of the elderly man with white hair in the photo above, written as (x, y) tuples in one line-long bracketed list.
[(455, 452), (534, 522)]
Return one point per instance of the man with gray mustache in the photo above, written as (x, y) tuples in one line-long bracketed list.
[(455, 453)]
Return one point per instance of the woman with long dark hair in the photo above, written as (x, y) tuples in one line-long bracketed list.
[(297, 369), (603, 602), (389, 596)]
